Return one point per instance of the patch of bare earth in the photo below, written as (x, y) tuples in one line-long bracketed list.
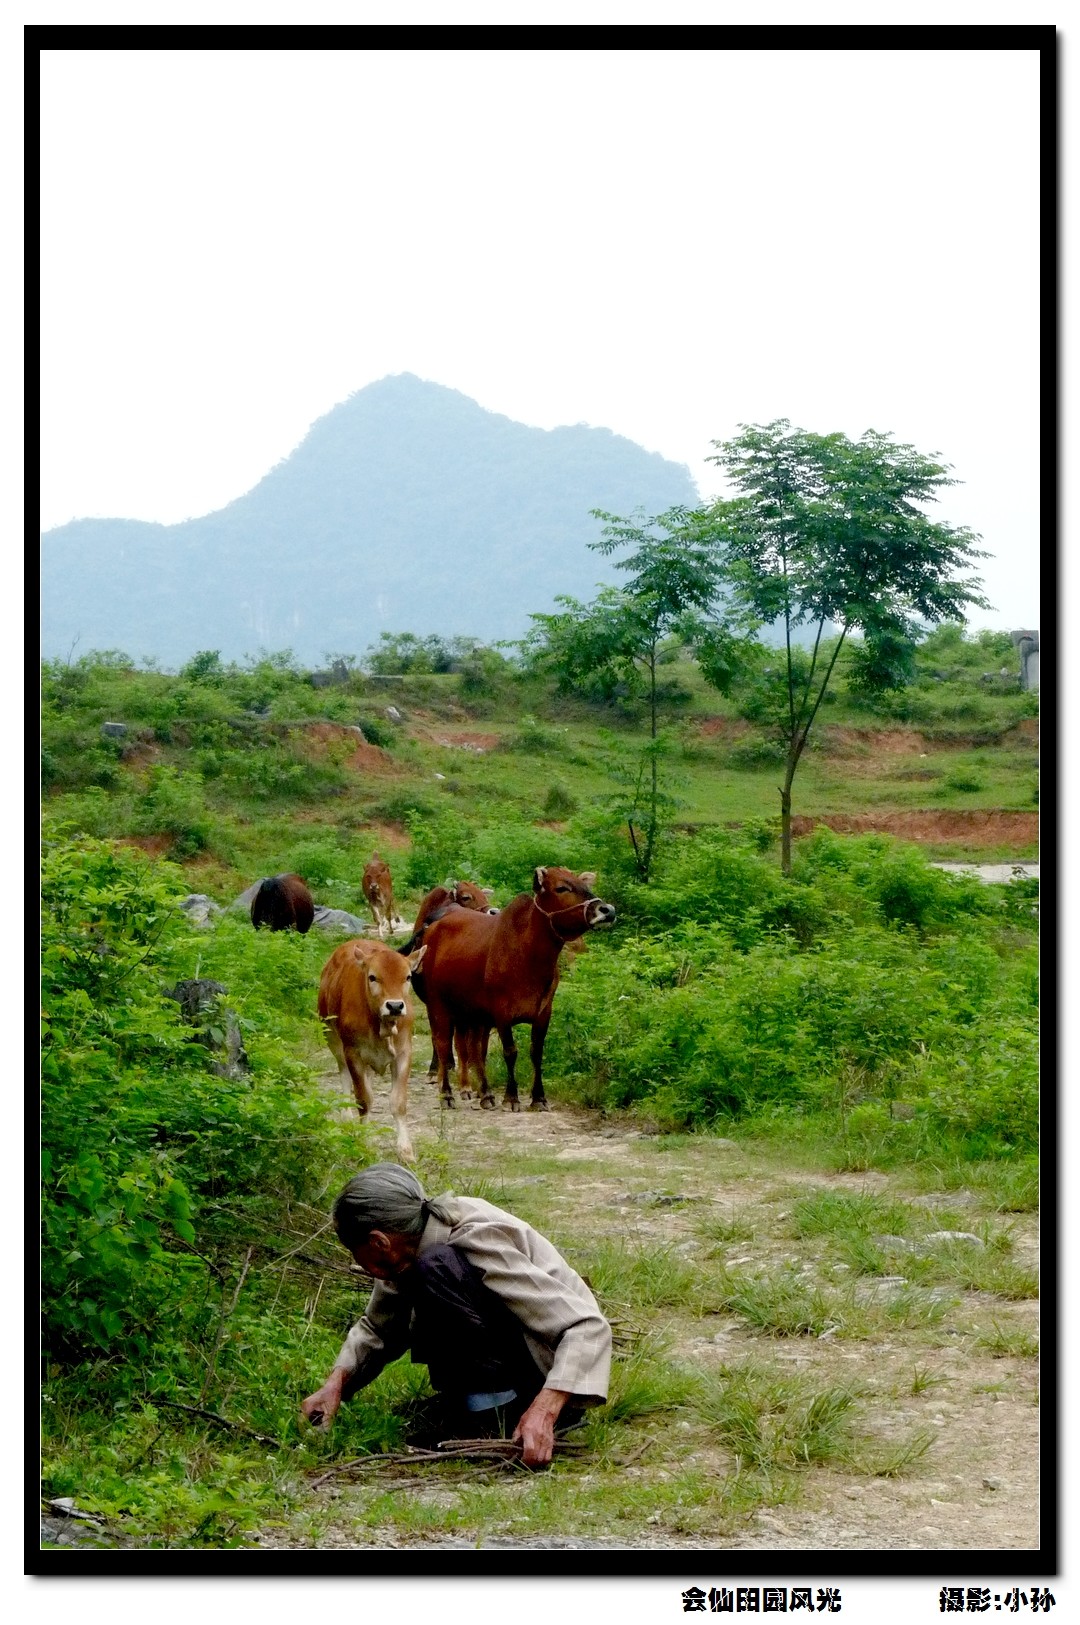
[(976, 1488), (362, 757), (976, 826), (392, 836), (723, 728), (841, 741), (478, 743), (156, 845)]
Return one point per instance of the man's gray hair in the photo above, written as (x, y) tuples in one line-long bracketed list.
[(384, 1197)]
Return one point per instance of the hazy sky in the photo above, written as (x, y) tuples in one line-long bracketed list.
[(666, 243)]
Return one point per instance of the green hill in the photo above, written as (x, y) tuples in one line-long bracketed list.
[(408, 506)]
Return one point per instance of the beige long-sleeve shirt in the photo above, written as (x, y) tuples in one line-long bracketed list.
[(563, 1326)]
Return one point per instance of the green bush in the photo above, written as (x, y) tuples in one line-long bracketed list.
[(485, 673), (149, 1159), (984, 1094), (173, 803), (320, 863), (440, 840), (273, 771), (712, 876), (402, 805), (684, 1026), (505, 855), (377, 730), (205, 667), (558, 802), (965, 781), (756, 753), (533, 738)]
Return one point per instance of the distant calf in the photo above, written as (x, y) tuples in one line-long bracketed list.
[(281, 902), (367, 1016), (379, 890)]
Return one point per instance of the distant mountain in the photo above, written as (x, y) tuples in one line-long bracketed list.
[(408, 508)]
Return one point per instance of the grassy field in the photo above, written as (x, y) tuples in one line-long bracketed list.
[(808, 1355), (824, 1298), (235, 789)]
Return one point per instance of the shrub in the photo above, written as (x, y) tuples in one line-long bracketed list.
[(712, 877), (682, 1025), (402, 805), (150, 1161), (559, 803), (439, 843), (376, 730), (756, 753), (533, 738), (320, 863), (965, 781), (204, 667), (985, 1092), (275, 771), (505, 855), (484, 673), (172, 804)]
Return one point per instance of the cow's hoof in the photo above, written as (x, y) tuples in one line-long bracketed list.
[(538, 1105), (447, 1102), (488, 1102)]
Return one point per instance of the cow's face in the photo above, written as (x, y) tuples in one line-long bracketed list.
[(559, 892), (376, 881), (387, 976), (470, 896)]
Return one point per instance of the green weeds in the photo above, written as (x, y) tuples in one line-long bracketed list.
[(771, 1421), (1009, 1342)]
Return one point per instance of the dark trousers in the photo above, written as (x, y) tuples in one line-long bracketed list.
[(467, 1338)]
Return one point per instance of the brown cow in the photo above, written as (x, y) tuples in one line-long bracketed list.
[(367, 1017), (465, 895), (462, 892), (378, 888), (283, 901), (485, 971)]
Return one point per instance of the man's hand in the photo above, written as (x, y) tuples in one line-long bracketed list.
[(536, 1429), (321, 1408)]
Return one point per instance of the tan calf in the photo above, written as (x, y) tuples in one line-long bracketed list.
[(367, 1016), (378, 888)]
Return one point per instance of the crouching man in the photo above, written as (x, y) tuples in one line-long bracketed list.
[(512, 1337)]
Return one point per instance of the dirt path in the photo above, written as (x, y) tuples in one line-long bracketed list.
[(589, 1184)]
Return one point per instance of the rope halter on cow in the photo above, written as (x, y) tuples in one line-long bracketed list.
[(583, 903)]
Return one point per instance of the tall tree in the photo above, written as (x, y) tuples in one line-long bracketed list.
[(619, 639), (829, 533)]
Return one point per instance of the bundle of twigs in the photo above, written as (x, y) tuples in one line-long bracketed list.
[(505, 1452)]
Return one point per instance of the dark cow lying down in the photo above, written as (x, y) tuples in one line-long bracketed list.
[(281, 902), (483, 971)]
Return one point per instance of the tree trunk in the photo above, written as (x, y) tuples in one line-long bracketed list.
[(785, 830), (785, 811)]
